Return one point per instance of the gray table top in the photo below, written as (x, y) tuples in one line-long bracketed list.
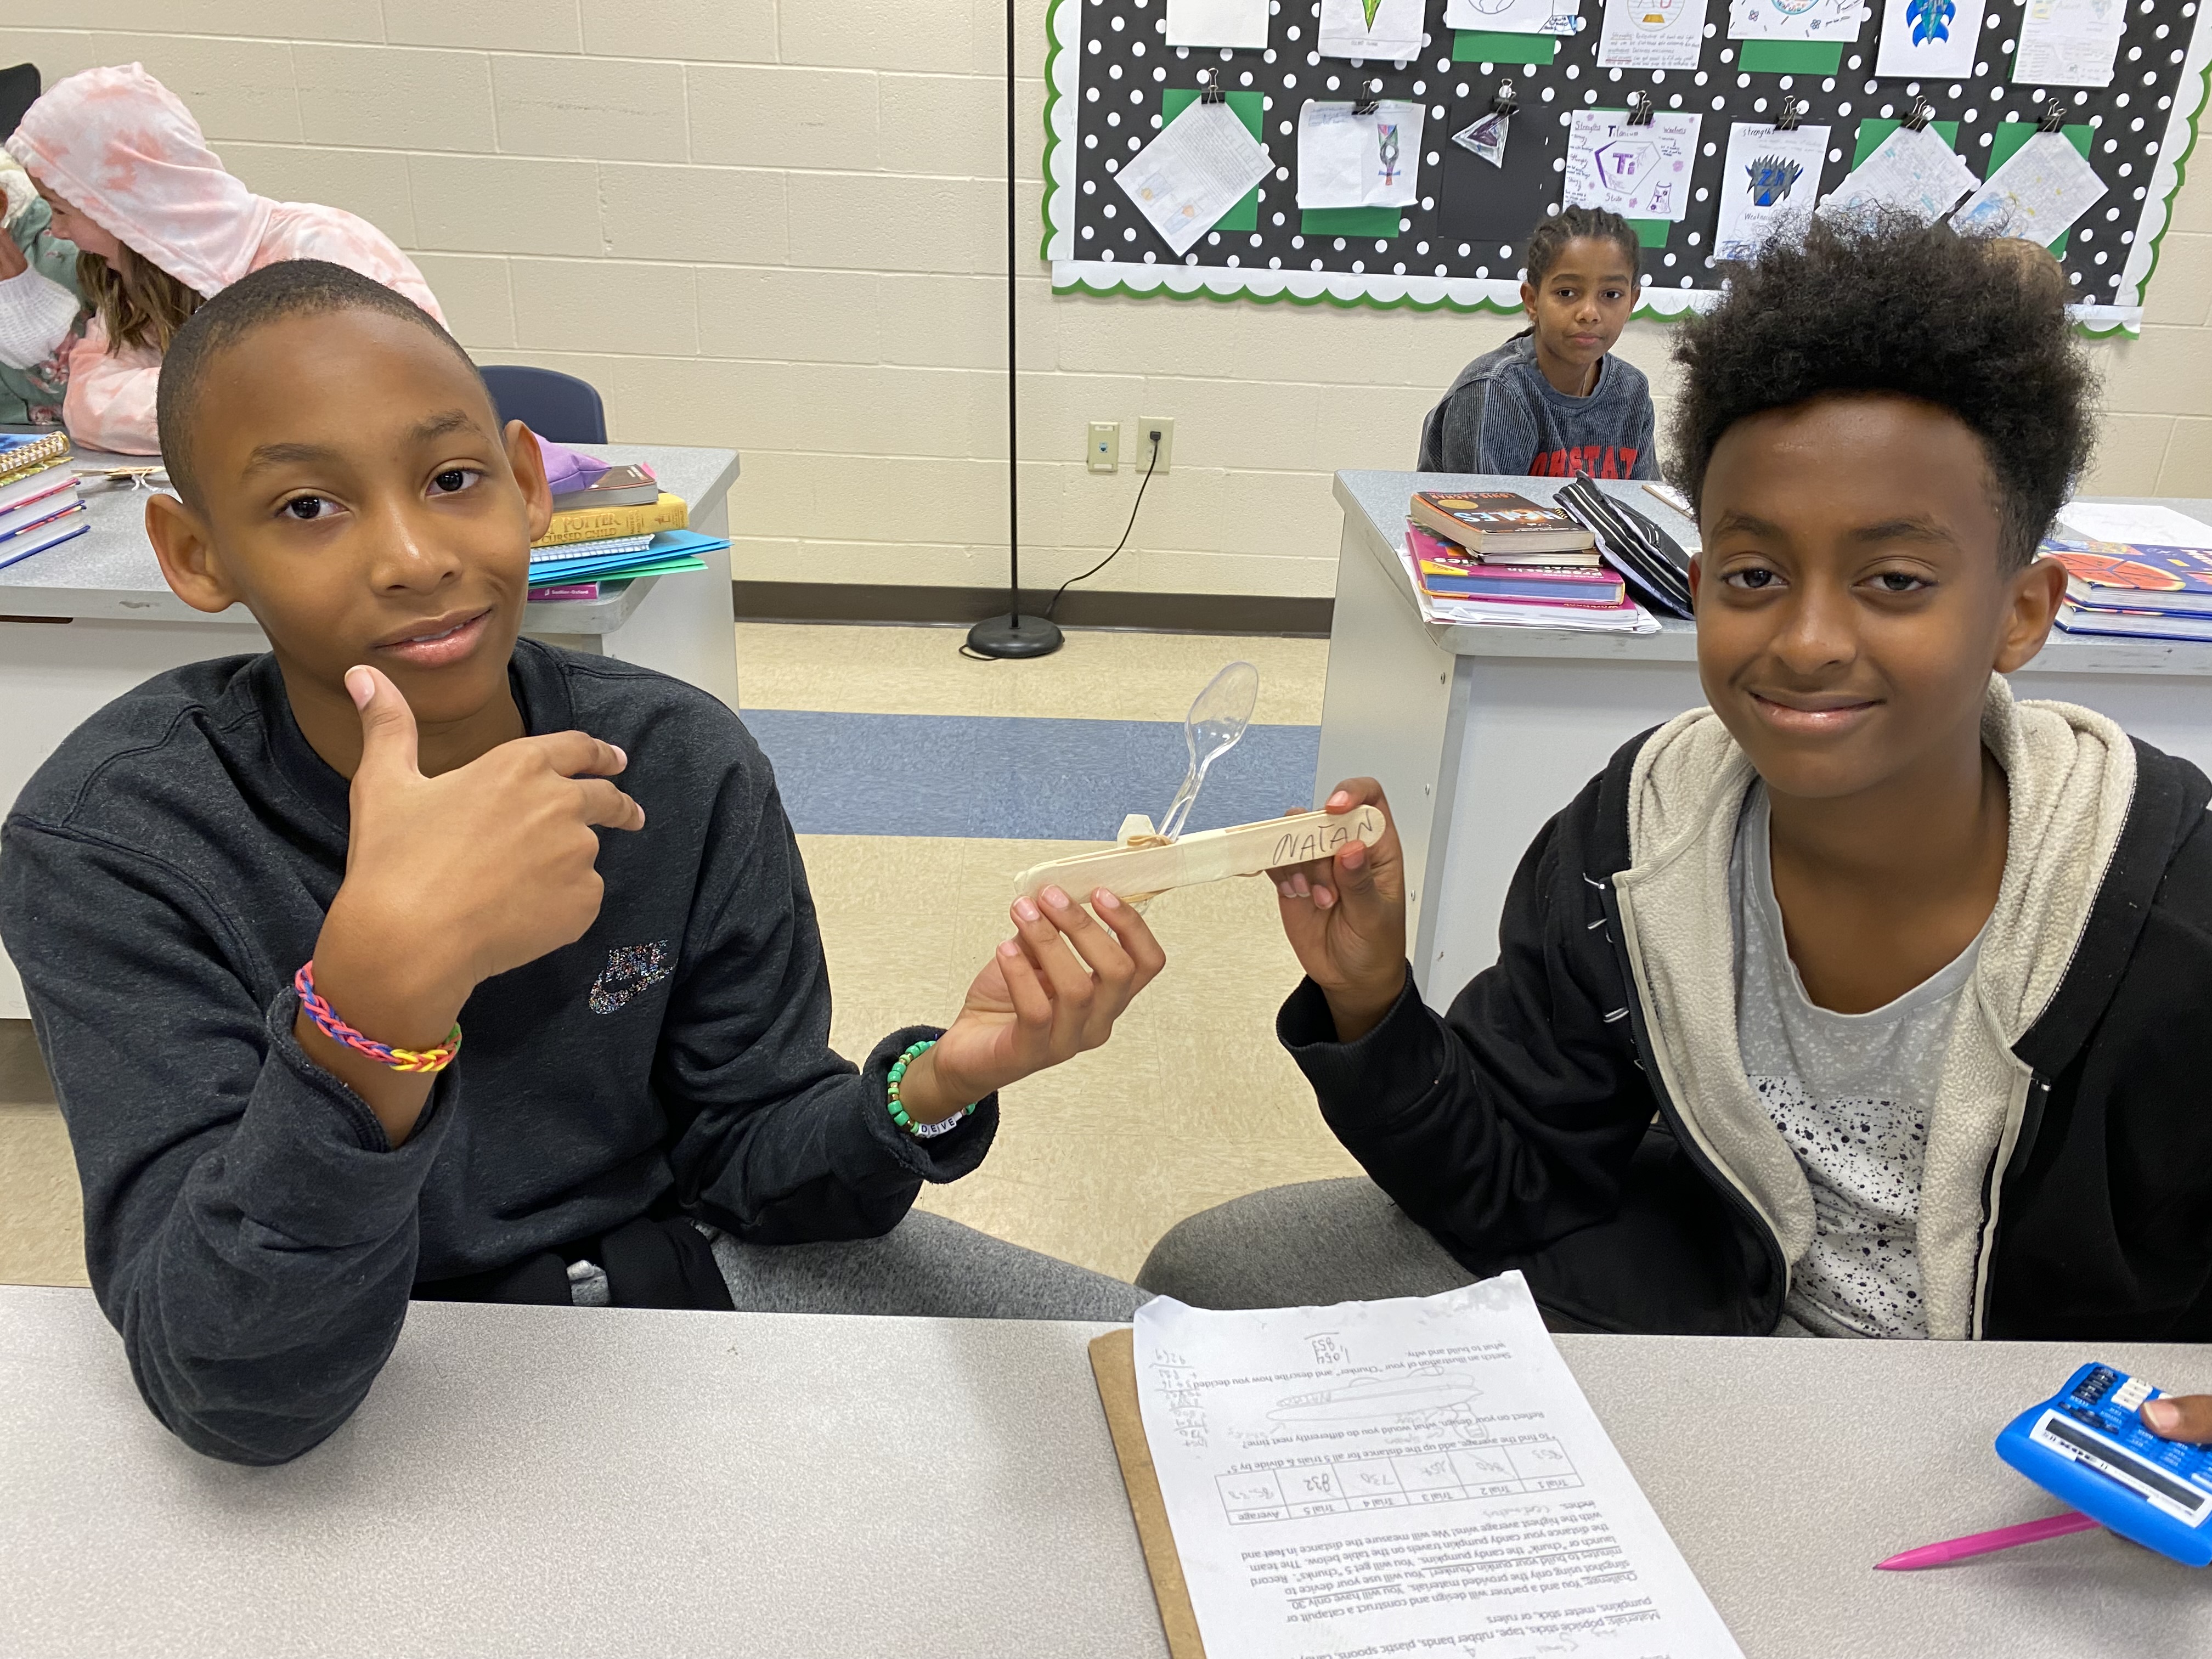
[(1376, 502), (111, 573), (551, 1481)]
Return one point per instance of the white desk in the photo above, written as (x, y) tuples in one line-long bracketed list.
[(548, 1482), (83, 622), (1478, 735)]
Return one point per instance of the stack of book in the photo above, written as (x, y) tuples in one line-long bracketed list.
[(2139, 573), (1495, 558), (621, 525), (40, 506)]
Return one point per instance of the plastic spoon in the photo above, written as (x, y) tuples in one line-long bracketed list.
[(1216, 720)]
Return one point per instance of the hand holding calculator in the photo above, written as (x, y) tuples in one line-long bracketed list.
[(2088, 1445)]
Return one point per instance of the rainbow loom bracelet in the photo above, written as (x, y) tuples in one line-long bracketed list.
[(919, 1131), (399, 1059)]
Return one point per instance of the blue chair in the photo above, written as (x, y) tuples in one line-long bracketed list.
[(550, 403)]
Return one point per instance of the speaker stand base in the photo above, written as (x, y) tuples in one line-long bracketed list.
[(1014, 635)]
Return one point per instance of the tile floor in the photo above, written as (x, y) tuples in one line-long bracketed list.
[(1191, 1103)]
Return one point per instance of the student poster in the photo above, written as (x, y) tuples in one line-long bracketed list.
[(1382, 30), (1650, 35), (2070, 43), (1771, 179), (1513, 16), (1349, 160), (2044, 187), (1195, 171), (1912, 171), (1796, 20), (1637, 172), (1928, 39), (1218, 23)]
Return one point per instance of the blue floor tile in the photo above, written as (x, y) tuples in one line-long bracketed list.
[(1004, 777)]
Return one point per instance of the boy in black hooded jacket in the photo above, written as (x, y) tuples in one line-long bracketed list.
[(1867, 1001)]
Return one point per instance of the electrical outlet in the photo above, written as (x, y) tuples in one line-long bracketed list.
[(1148, 425), (1102, 449)]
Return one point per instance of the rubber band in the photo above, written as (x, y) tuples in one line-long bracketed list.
[(399, 1059)]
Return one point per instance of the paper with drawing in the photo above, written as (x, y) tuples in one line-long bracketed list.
[(1637, 172), (1346, 159), (2044, 187), (1421, 1471), (1195, 171)]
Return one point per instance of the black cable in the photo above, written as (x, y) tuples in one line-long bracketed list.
[(1155, 461)]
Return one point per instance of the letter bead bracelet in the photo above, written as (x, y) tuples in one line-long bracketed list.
[(919, 1131), (399, 1059)]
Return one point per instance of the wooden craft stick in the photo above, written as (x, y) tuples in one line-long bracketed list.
[(1245, 849)]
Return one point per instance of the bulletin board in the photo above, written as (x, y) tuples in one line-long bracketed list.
[(1111, 79)]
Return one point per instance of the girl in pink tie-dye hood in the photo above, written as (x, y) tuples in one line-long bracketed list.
[(160, 227)]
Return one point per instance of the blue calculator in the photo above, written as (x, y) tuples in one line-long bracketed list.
[(2086, 1445)]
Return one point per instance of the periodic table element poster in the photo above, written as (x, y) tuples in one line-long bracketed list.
[(1460, 238)]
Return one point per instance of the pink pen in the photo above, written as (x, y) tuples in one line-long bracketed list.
[(1981, 1543)]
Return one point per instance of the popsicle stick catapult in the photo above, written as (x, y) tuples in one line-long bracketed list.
[(1142, 865)]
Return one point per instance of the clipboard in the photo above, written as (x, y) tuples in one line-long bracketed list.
[(1114, 1367)]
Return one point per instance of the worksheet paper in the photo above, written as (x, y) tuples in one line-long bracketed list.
[(1418, 1476), (1651, 35), (1639, 172), (2070, 43), (1360, 161), (1913, 170), (1202, 165), (1513, 16), (1929, 39), (2151, 526), (1770, 182), (1376, 29), (2044, 187), (1797, 20), (1216, 22)]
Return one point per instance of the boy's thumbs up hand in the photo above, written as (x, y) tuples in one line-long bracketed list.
[(452, 880)]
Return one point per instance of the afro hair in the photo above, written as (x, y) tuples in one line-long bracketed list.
[(1974, 326)]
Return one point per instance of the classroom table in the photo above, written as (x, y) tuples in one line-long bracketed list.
[(549, 1480), (1479, 735), (82, 623)]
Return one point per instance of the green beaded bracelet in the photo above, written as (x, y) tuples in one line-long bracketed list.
[(919, 1131)]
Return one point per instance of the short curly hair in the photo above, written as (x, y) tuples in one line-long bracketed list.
[(1975, 326)]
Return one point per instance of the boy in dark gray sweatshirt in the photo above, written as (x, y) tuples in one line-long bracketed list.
[(259, 902)]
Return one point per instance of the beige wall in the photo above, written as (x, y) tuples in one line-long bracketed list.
[(774, 224)]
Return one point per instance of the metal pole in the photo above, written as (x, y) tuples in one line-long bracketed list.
[(1014, 634)]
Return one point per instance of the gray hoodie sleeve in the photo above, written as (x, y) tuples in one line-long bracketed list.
[(1480, 427), (248, 1228)]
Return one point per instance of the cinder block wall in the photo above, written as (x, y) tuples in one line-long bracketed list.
[(779, 224)]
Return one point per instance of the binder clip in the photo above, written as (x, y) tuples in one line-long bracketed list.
[(1484, 135), (1793, 111), (2053, 118), (1641, 109), (1369, 100), (1210, 88), (1921, 114)]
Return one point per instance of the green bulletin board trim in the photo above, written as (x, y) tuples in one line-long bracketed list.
[(1871, 133), (2011, 135), (1790, 56), (1480, 47), (1377, 222), (1245, 215)]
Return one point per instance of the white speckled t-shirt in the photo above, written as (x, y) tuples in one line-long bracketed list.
[(1851, 1094)]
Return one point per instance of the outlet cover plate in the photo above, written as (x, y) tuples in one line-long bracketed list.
[(1146, 425), (1101, 449)]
